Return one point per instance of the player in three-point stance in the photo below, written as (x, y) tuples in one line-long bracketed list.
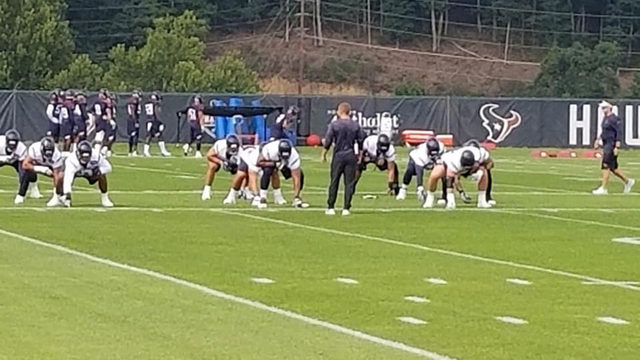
[(378, 150), (425, 157), (90, 164), (155, 127), (280, 157), (224, 154), (42, 158), (12, 153), (466, 161), (246, 177)]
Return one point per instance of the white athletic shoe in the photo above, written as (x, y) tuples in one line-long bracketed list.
[(229, 200), (263, 204), (484, 205), (19, 200), (198, 155), (256, 201), (492, 202), (330, 212), (206, 194), (600, 191), (185, 149), (629, 185), (279, 200), (166, 154), (134, 154), (442, 202), (450, 206), (146, 154), (106, 202), (428, 203), (34, 192), (130, 155), (346, 212), (54, 202), (109, 153), (402, 194)]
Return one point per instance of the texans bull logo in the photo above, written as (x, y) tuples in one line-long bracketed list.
[(499, 127)]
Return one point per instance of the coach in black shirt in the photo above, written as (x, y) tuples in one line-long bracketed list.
[(343, 134), (610, 139)]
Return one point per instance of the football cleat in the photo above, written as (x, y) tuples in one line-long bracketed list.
[(198, 155), (402, 194), (54, 202), (600, 191), (106, 202), (346, 212), (19, 200), (629, 185), (185, 149), (298, 203), (492, 202), (442, 202), (465, 197), (229, 200), (34, 192), (206, 194), (330, 212)]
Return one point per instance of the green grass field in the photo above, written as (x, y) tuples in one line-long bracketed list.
[(171, 276)]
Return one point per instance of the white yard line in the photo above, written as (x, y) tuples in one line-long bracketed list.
[(579, 221), (236, 299), (436, 250)]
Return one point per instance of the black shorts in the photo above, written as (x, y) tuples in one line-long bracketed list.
[(609, 160), (54, 130), (133, 128), (79, 127), (66, 129), (102, 125), (243, 167), (155, 128), (91, 179), (196, 132)]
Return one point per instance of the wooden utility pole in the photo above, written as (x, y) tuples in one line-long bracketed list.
[(319, 23), (301, 49), (287, 22), (506, 42), (369, 22)]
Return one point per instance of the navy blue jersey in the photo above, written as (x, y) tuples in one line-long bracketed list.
[(151, 111), (610, 130)]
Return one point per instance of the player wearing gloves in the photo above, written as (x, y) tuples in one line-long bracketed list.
[(42, 158), (224, 154), (280, 157), (425, 156), (195, 118), (87, 163), (466, 161), (12, 153), (378, 150)]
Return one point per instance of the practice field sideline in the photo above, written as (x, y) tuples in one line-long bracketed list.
[(544, 275)]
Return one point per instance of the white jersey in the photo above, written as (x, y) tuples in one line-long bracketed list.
[(420, 155), (250, 156), (270, 153), (35, 153), (452, 158), (72, 168), (220, 151), (51, 113), (370, 147), (18, 155)]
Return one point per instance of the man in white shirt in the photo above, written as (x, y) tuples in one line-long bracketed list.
[(280, 157), (42, 158), (90, 164), (426, 156), (247, 177), (12, 153), (378, 150), (468, 160), (224, 154)]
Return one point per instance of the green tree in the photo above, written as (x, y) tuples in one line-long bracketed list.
[(82, 73), (578, 71), (410, 88), (230, 74), (34, 42)]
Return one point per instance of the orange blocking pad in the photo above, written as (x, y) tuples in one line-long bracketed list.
[(539, 153), (416, 137), (446, 139), (567, 154), (592, 154)]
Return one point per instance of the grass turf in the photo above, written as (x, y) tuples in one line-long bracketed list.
[(547, 229)]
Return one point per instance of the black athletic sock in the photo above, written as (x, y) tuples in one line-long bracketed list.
[(489, 185)]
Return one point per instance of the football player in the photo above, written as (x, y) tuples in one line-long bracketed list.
[(112, 125), (12, 153), (465, 161), (155, 127), (80, 117), (133, 122), (224, 154), (425, 156), (101, 113), (280, 157), (66, 119), (247, 174), (90, 164), (43, 158), (378, 150), (53, 114), (195, 118)]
